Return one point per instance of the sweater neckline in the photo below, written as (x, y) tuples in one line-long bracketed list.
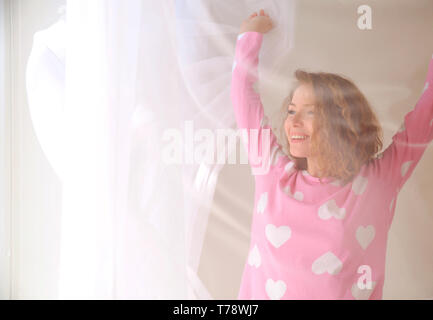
[(315, 179)]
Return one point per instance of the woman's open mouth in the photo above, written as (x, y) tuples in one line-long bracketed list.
[(299, 139)]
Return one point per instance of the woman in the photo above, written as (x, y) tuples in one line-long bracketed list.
[(324, 202)]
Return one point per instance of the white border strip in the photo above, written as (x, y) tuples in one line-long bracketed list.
[(5, 151)]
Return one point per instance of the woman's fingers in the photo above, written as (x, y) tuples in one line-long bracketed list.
[(261, 13)]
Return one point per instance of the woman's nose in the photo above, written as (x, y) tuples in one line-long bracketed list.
[(297, 119)]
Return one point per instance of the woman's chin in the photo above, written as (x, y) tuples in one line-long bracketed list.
[(298, 154)]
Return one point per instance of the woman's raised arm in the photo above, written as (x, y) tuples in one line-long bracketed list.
[(396, 164), (263, 150)]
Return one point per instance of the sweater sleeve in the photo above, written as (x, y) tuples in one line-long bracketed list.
[(398, 161), (262, 148)]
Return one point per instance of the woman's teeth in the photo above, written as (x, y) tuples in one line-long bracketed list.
[(299, 137)]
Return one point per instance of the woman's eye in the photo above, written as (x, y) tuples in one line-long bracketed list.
[(293, 112)]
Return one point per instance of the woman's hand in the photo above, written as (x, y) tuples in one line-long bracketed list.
[(258, 23)]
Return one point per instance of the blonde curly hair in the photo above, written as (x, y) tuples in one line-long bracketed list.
[(347, 132)]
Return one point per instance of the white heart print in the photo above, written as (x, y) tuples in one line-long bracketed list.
[(276, 154), (328, 262), (277, 236), (234, 66), (330, 209), (263, 201), (254, 258), (359, 185), (289, 166), (298, 194), (365, 235), (405, 167), (275, 289), (362, 294), (337, 183)]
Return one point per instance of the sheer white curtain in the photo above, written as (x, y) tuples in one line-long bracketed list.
[(123, 215), (121, 74)]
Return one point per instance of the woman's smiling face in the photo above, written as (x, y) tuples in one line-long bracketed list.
[(299, 121)]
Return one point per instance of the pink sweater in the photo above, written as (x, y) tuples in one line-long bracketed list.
[(320, 241)]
